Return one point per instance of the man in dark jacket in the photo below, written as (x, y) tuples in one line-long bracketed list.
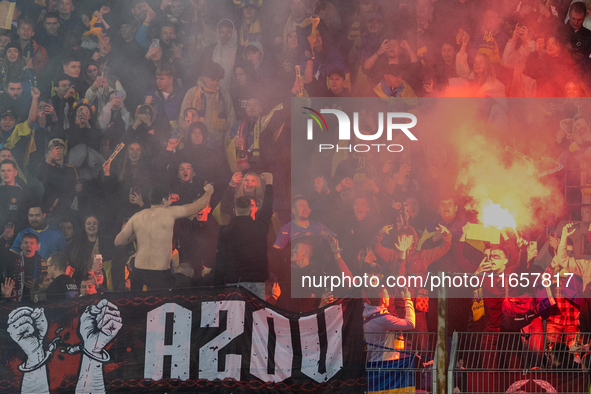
[(196, 238), (242, 246), (62, 286), (60, 180)]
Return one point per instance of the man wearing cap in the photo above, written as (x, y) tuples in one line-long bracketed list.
[(59, 180), (336, 84), (393, 86)]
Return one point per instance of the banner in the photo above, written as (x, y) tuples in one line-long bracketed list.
[(204, 340)]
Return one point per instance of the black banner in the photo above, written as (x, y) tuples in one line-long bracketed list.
[(180, 341)]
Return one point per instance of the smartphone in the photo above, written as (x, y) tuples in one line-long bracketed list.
[(155, 42), (117, 94), (175, 134), (533, 245), (576, 225)]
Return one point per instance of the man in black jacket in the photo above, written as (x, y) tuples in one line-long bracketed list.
[(242, 246), (62, 286)]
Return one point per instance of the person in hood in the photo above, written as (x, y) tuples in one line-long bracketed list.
[(255, 54), (377, 321), (224, 52)]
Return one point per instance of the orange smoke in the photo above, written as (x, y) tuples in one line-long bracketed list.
[(500, 185)]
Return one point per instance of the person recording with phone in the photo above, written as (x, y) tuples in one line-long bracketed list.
[(90, 251)]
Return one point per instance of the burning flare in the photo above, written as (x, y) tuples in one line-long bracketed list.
[(494, 216)]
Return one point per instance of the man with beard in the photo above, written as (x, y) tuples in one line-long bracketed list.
[(14, 100), (300, 226), (51, 240)]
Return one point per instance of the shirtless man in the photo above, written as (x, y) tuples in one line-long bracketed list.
[(153, 228)]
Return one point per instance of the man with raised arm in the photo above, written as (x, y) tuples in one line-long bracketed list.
[(153, 228)]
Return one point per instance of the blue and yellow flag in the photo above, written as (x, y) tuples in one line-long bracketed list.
[(6, 13), (391, 377)]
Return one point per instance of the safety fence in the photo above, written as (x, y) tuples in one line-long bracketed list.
[(479, 362), (402, 362)]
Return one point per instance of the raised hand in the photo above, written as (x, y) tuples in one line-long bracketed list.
[(568, 230), (386, 229), (7, 287), (98, 326), (35, 93), (370, 256), (8, 231), (347, 182), (404, 243), (441, 229), (387, 167), (465, 230), (236, 179), (267, 177), (107, 168), (28, 327), (384, 47), (208, 188), (404, 45), (172, 144), (319, 183), (485, 266), (334, 245)]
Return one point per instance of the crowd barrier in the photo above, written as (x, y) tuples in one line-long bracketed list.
[(401, 362), (479, 362)]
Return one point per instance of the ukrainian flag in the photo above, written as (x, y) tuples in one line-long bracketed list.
[(391, 377), (6, 13)]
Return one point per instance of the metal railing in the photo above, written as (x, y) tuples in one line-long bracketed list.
[(519, 363), (401, 361)]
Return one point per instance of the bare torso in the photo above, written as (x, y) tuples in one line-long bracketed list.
[(153, 230)]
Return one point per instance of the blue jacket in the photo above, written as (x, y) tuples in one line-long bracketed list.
[(51, 240)]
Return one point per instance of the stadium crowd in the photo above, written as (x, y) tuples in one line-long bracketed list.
[(126, 122)]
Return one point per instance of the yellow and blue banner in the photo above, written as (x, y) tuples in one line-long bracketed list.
[(6, 13)]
